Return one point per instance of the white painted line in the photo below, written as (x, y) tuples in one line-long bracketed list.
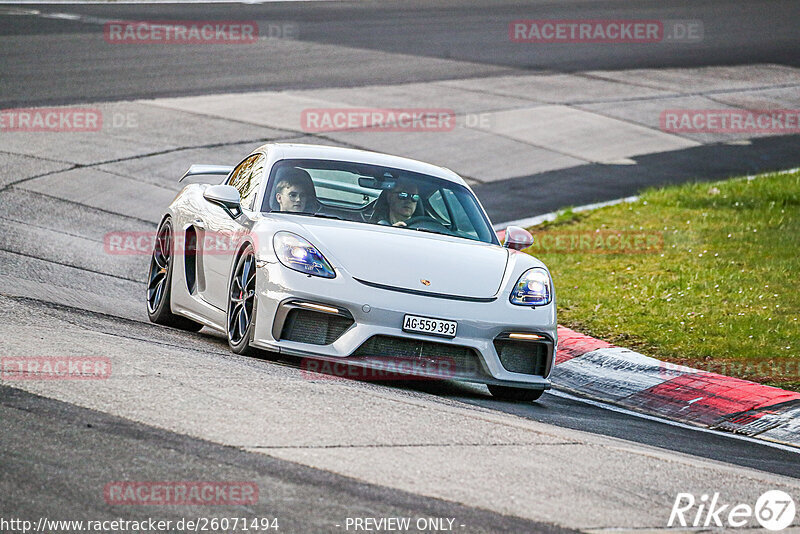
[(61, 16), (625, 411), (539, 219)]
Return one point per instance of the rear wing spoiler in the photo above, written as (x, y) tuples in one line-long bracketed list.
[(207, 170)]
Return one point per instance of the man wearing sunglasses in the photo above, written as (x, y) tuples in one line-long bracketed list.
[(403, 200)]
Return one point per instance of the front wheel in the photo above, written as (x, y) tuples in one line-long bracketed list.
[(242, 303), (514, 394), (159, 283)]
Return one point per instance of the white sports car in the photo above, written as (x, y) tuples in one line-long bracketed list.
[(341, 255)]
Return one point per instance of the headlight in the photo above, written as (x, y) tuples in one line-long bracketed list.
[(298, 254), (533, 288)]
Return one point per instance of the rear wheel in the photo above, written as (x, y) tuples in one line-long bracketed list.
[(159, 282), (242, 303), (515, 394)]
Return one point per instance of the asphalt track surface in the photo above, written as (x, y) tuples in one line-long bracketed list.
[(53, 61), (66, 63), (59, 57), (67, 437)]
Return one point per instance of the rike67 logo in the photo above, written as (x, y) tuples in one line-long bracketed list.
[(774, 510)]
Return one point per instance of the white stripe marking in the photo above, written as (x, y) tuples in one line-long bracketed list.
[(539, 219)]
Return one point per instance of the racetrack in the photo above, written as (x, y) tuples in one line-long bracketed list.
[(181, 407)]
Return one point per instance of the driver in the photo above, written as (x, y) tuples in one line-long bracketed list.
[(294, 191), (402, 203)]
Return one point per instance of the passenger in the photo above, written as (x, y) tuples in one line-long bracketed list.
[(397, 205), (294, 191)]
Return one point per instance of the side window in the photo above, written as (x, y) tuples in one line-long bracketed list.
[(256, 177), (247, 177)]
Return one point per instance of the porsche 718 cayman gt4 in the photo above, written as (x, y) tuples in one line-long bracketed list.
[(342, 255)]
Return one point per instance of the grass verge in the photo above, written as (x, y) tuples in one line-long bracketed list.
[(702, 274)]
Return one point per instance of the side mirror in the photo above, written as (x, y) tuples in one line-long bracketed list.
[(517, 238), (225, 196)]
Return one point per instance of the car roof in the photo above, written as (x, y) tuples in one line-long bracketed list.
[(304, 151)]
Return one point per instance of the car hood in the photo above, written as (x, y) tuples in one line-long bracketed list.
[(408, 259)]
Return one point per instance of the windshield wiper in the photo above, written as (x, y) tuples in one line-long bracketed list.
[(437, 232), (427, 230)]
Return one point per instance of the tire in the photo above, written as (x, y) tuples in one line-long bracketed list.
[(242, 303), (514, 394), (159, 283)]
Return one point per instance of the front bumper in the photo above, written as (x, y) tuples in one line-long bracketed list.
[(379, 313)]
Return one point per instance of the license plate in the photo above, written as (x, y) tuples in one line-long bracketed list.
[(429, 325)]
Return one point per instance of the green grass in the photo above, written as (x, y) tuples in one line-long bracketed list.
[(722, 294)]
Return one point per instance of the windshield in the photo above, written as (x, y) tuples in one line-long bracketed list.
[(373, 194)]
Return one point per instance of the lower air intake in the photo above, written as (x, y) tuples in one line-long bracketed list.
[(522, 356), (316, 328), (460, 361)]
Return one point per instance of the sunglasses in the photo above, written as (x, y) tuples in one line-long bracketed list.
[(408, 196)]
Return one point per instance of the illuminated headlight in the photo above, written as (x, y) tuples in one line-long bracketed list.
[(298, 254), (533, 288)]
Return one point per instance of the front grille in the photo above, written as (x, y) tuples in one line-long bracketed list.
[(316, 328), (522, 357), (444, 359)]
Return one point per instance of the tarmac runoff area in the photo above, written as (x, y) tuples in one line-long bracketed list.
[(62, 295)]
